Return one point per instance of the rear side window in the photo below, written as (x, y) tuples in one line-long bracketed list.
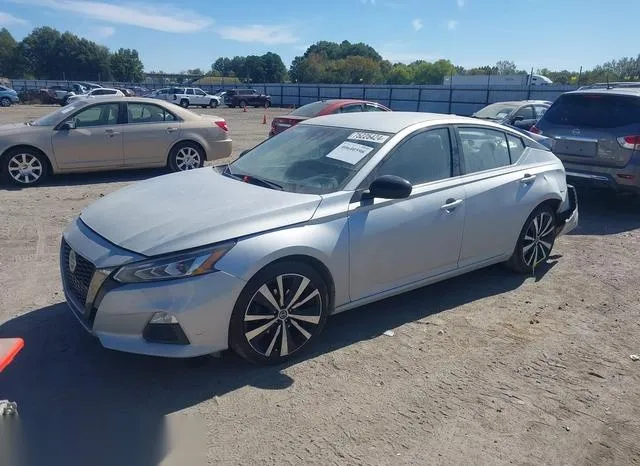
[(594, 111), (309, 110), (516, 147), (373, 108), (483, 149)]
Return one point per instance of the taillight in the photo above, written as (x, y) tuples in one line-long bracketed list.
[(535, 130), (630, 142), (222, 125)]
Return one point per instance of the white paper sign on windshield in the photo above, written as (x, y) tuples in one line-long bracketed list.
[(349, 152), (370, 137), (66, 110)]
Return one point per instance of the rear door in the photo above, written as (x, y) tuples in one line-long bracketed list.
[(149, 134), (499, 195), (590, 129)]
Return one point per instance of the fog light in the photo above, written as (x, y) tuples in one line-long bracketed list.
[(164, 328)]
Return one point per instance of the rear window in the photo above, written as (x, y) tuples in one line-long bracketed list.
[(309, 110), (594, 110)]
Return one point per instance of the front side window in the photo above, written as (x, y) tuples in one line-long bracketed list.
[(189, 91), (309, 158), (526, 113), (354, 108), (148, 113), (200, 92), (97, 115), (540, 110), (483, 149), (421, 158), (373, 108)]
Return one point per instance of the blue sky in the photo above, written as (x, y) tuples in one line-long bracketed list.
[(177, 35)]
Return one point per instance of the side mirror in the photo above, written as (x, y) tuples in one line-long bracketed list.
[(390, 187), (68, 125)]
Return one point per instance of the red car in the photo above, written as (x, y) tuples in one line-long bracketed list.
[(323, 107)]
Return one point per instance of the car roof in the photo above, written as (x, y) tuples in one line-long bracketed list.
[(630, 91), (387, 122), (521, 102)]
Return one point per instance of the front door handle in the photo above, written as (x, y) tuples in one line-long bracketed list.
[(171, 130), (528, 179), (111, 133), (451, 205)]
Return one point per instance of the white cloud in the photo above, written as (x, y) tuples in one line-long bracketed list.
[(417, 24), (452, 25), (146, 15), (103, 32), (7, 19), (259, 33), (460, 3)]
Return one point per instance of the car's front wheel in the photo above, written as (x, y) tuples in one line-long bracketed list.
[(535, 241), (186, 156), (5, 102), (280, 312), (24, 167), (213, 103)]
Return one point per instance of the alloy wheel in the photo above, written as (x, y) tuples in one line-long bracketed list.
[(282, 315), (25, 168), (538, 240), (5, 102), (188, 158)]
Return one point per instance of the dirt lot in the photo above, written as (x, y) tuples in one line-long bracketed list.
[(489, 368)]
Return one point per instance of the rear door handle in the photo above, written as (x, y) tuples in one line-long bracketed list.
[(451, 205), (527, 179)]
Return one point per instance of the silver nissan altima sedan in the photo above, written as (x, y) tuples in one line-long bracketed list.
[(334, 213)]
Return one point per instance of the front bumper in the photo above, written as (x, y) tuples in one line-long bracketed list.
[(119, 313)]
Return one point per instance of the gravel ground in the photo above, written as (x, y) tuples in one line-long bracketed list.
[(488, 368)]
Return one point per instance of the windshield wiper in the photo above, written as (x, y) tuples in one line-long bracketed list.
[(252, 179)]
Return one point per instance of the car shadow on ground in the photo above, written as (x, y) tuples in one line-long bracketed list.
[(603, 212), (77, 399)]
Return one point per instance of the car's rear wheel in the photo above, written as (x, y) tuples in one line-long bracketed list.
[(535, 241), (184, 103), (280, 312), (213, 103), (24, 167), (243, 103), (186, 156), (5, 102)]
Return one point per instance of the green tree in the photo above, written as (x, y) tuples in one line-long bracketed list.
[(506, 67), (7, 52), (222, 65), (400, 74), (127, 66), (274, 69)]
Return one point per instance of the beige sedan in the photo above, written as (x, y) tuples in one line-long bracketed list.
[(114, 133)]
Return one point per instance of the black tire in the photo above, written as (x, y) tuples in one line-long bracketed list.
[(184, 103), (213, 103), (5, 102), (204, 106), (259, 338), (16, 162), (267, 104), (231, 106), (242, 104), (182, 157), (535, 241)]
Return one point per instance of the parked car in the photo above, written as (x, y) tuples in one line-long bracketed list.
[(98, 93), (244, 97), (140, 91), (110, 133), (8, 96), (126, 92), (336, 212), (323, 107), (596, 134), (521, 114), (188, 96), (62, 93)]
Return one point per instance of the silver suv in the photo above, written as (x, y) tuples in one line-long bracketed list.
[(596, 134)]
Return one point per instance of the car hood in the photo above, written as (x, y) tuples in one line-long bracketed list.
[(186, 210), (14, 128)]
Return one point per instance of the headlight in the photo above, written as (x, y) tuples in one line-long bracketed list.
[(181, 265)]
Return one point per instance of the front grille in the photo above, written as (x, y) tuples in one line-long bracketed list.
[(79, 280)]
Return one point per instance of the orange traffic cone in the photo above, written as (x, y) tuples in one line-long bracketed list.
[(244, 108), (264, 118)]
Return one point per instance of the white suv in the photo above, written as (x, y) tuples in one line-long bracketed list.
[(186, 96)]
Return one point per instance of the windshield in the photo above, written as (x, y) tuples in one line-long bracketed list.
[(56, 117), (310, 159), (309, 110), (495, 111), (594, 110)]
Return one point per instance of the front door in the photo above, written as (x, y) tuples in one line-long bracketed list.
[(397, 242), (149, 134), (95, 141), (500, 194)]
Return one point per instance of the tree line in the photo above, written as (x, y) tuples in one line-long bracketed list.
[(49, 54)]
